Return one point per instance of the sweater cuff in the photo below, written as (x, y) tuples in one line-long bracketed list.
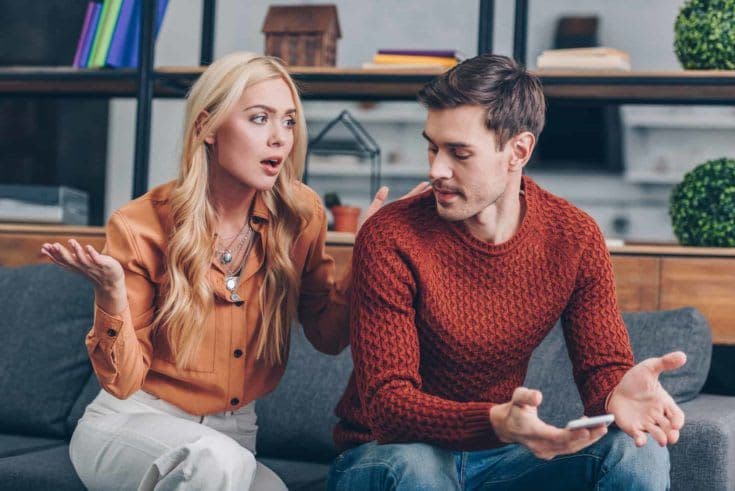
[(479, 432)]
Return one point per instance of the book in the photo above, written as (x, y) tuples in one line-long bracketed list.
[(125, 44), (84, 45), (105, 29), (442, 53), (601, 58), (404, 67), (417, 60)]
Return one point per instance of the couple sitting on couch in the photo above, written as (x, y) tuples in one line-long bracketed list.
[(450, 292)]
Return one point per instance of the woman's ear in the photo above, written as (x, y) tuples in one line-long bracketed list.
[(521, 149), (201, 119)]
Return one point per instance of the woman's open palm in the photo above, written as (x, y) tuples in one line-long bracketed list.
[(103, 271)]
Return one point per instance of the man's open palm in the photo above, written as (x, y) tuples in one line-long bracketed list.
[(641, 405)]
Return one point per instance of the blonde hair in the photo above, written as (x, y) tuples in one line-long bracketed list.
[(187, 294)]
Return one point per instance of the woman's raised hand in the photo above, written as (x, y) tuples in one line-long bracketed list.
[(105, 272)]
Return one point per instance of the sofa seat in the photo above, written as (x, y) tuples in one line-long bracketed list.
[(48, 469), (299, 475), (18, 444)]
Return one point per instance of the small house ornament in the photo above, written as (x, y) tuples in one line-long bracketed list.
[(302, 35)]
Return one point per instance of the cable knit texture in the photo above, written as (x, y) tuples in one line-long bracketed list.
[(443, 324)]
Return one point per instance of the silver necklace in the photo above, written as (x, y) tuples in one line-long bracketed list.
[(232, 280), (227, 254)]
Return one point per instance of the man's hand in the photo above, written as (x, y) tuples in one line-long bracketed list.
[(641, 405), (382, 195), (517, 421)]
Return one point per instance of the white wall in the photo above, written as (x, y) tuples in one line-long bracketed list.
[(644, 29)]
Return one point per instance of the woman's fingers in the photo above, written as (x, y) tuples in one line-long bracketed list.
[(81, 255)]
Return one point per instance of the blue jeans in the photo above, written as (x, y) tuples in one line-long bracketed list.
[(612, 463)]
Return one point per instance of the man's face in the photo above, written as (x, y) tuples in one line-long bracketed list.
[(466, 170)]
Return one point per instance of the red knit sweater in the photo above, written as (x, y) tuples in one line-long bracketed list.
[(443, 324)]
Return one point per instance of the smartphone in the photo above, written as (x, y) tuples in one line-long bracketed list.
[(592, 422)]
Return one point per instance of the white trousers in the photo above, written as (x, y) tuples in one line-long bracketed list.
[(146, 443)]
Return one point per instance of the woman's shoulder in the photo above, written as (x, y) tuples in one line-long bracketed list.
[(144, 220)]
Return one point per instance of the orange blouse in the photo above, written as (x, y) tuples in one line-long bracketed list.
[(224, 374)]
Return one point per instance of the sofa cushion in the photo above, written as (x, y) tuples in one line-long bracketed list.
[(300, 476), (18, 444), (651, 334), (296, 420), (43, 362), (89, 391), (704, 457), (34, 471)]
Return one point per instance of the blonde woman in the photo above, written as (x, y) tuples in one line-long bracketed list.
[(197, 288)]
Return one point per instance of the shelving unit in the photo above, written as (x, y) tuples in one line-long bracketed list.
[(145, 83)]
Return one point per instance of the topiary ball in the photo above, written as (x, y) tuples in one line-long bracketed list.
[(703, 205), (704, 34)]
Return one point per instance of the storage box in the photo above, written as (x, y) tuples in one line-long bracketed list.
[(43, 204)]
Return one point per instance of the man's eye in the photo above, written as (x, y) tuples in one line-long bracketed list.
[(461, 156), (432, 149)]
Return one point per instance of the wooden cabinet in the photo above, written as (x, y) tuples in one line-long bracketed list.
[(648, 277)]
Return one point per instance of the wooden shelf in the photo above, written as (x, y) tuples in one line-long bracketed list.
[(679, 87), (663, 87)]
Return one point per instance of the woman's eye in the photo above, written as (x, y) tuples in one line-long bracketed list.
[(259, 119), (290, 123)]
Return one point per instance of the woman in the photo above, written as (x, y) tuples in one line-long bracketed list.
[(197, 288)]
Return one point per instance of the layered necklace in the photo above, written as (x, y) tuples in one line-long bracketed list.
[(227, 257)]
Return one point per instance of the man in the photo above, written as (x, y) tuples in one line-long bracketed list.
[(452, 291)]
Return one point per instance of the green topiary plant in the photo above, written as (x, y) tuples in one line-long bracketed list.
[(704, 34), (703, 205)]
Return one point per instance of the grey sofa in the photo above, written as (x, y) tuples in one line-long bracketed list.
[(46, 381)]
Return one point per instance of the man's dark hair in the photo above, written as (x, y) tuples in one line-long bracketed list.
[(512, 96)]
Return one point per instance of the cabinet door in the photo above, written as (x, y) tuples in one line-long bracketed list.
[(705, 283), (637, 282)]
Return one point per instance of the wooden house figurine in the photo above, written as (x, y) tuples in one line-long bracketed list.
[(302, 35)]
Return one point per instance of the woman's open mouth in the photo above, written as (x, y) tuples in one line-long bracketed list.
[(271, 165)]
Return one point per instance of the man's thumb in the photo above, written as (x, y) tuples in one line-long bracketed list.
[(526, 397), (670, 361)]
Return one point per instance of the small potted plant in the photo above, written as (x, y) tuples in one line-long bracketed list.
[(703, 205), (345, 217), (704, 35)]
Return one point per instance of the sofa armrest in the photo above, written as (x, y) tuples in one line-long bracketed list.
[(704, 457)]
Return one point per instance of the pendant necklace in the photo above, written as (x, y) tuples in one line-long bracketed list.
[(226, 255), (232, 279)]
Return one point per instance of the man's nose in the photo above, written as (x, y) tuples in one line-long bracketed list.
[(439, 168)]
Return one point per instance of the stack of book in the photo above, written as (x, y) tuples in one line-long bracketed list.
[(414, 59), (584, 59), (110, 34)]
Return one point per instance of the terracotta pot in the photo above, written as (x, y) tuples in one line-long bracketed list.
[(345, 218)]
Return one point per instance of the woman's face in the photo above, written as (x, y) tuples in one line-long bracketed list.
[(256, 137)]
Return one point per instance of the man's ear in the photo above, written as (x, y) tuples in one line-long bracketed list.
[(521, 149), (209, 139)]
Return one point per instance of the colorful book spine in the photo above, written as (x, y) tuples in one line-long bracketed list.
[(441, 53), (425, 60), (125, 43), (108, 20), (91, 18)]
